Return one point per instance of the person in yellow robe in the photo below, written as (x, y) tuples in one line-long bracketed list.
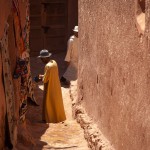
[(53, 108)]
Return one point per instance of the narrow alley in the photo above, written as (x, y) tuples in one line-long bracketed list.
[(101, 47), (67, 135)]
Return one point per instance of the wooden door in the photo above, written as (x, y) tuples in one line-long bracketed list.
[(49, 27), (36, 43)]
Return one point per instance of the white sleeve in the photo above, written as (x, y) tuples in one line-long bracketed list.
[(69, 50)]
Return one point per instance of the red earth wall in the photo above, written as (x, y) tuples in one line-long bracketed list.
[(113, 79), (6, 16)]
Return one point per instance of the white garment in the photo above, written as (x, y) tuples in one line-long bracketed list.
[(72, 58)]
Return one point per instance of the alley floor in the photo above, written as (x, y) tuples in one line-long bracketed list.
[(67, 135)]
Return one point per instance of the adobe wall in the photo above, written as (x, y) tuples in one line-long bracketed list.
[(6, 16), (113, 80), (4, 12), (2, 108)]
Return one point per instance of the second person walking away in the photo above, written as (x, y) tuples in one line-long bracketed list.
[(71, 58)]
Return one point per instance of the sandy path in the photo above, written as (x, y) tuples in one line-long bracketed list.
[(53, 136)]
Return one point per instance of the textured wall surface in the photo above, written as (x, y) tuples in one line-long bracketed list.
[(6, 16), (72, 15), (13, 53), (113, 79), (5, 7), (4, 12), (2, 109)]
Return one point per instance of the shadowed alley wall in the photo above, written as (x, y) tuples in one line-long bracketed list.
[(113, 80), (72, 15), (51, 24), (6, 16), (4, 12)]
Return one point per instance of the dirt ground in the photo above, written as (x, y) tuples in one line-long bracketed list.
[(68, 135)]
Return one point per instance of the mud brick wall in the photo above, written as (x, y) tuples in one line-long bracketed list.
[(6, 16), (113, 79), (2, 108), (4, 12)]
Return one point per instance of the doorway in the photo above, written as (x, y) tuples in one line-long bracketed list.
[(51, 21)]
